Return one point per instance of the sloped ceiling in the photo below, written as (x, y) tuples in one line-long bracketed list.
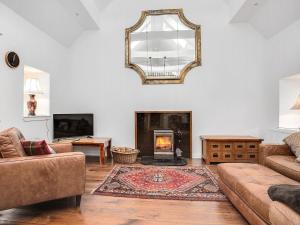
[(102, 4), (63, 20), (269, 17), (276, 15)]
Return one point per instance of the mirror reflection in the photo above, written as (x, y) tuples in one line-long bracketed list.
[(162, 47)]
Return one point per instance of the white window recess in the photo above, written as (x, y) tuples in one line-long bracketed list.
[(289, 91), (37, 83)]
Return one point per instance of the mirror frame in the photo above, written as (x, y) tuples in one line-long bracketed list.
[(186, 69)]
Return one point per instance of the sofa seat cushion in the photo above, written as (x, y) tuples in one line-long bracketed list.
[(251, 183), (282, 214), (61, 147), (286, 165)]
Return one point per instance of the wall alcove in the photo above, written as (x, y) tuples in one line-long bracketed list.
[(289, 95), (37, 83)]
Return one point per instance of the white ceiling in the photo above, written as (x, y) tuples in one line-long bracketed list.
[(102, 4), (269, 17), (63, 20)]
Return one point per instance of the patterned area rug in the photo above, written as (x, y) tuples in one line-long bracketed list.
[(177, 183)]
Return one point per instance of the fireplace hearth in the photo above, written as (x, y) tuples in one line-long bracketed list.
[(149, 160)]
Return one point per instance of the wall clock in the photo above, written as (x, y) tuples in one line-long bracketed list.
[(12, 59)]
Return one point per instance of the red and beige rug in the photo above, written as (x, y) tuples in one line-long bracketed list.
[(173, 183)]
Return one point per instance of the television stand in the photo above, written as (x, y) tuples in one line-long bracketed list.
[(69, 139), (102, 143)]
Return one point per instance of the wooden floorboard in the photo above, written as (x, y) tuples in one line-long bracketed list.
[(105, 210)]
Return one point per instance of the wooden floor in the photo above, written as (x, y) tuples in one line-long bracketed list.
[(96, 210)]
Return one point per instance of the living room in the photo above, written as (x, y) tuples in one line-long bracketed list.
[(237, 88)]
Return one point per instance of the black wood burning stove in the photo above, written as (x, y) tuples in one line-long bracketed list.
[(163, 144)]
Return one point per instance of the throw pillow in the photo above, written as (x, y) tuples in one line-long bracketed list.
[(10, 143), (293, 141), (287, 194), (36, 148)]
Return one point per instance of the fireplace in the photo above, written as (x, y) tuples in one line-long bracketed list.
[(175, 125), (163, 144)]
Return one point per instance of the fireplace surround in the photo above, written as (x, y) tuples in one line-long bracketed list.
[(173, 126)]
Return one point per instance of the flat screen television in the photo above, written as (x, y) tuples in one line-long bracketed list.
[(72, 125)]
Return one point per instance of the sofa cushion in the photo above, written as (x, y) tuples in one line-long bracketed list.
[(286, 165), (281, 214), (36, 147), (10, 143), (293, 141), (61, 147), (251, 182)]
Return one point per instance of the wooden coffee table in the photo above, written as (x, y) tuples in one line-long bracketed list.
[(102, 143)]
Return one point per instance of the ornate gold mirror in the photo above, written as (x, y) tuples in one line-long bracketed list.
[(163, 46)]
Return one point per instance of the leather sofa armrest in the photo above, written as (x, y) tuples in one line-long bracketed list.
[(280, 214), (35, 179), (266, 150), (62, 147)]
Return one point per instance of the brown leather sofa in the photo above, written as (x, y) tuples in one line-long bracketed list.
[(246, 185), (33, 179)]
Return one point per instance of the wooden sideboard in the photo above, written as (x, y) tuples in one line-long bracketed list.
[(230, 149)]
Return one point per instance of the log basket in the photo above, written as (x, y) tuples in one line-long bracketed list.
[(124, 155)]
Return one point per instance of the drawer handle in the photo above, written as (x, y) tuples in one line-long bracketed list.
[(215, 146), (215, 155)]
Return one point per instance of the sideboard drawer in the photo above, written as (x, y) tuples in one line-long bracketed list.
[(252, 147), (227, 146), (216, 156), (214, 146), (252, 156), (240, 156), (240, 146), (227, 156)]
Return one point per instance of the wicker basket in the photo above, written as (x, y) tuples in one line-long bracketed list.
[(124, 155)]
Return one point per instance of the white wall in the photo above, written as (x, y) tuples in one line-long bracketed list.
[(35, 49), (235, 91), (226, 94), (284, 52)]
